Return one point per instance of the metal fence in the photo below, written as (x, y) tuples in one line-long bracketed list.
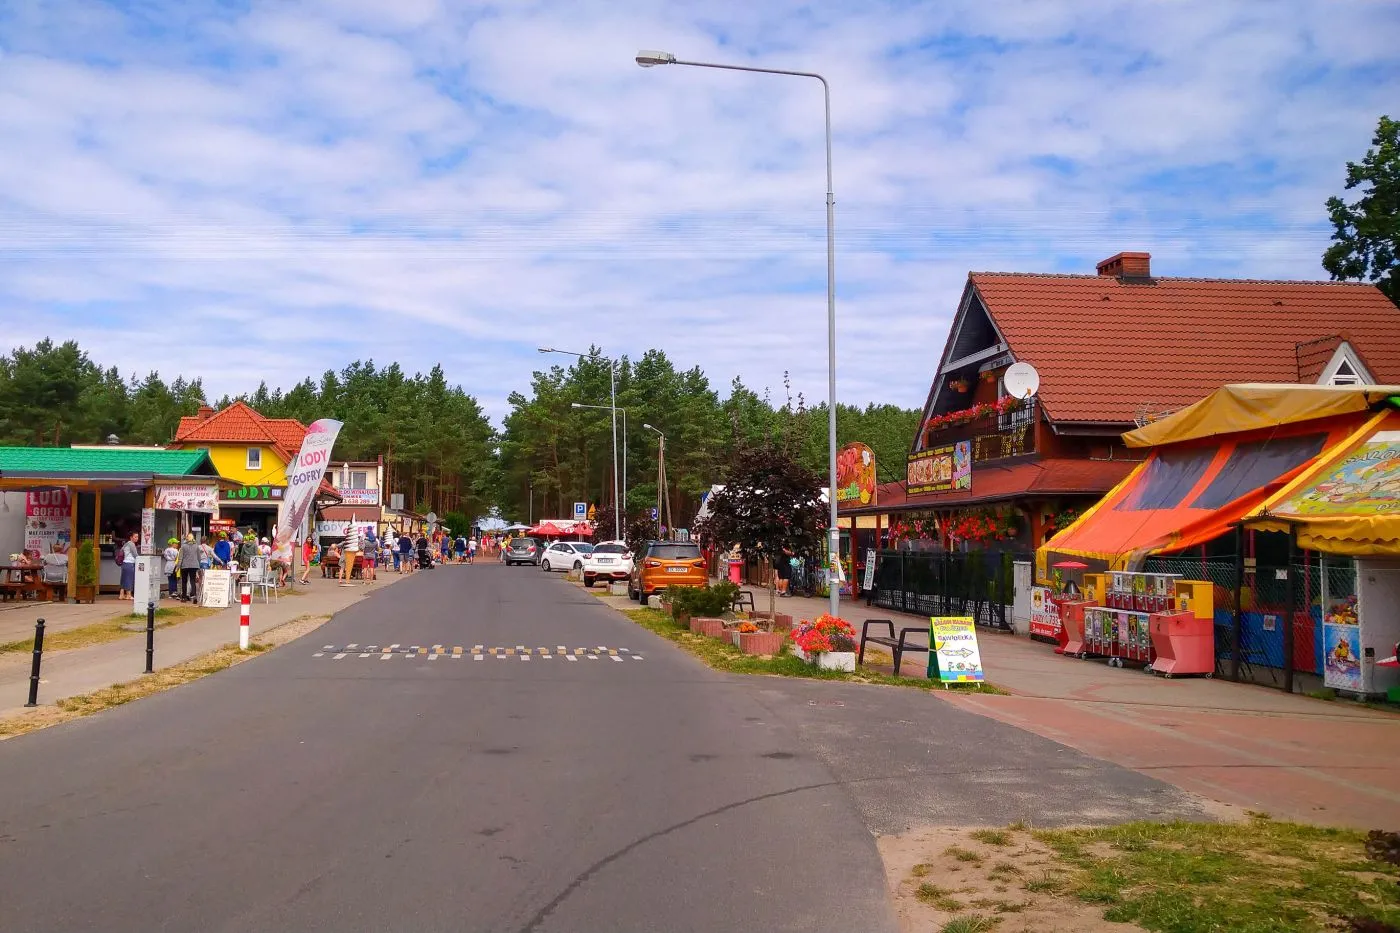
[(1268, 610), (979, 584)]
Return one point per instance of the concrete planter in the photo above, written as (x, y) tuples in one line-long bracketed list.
[(782, 622), (761, 643), (617, 589), (693, 623), (829, 660), (714, 628)]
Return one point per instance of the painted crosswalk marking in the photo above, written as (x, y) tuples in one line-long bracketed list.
[(421, 652)]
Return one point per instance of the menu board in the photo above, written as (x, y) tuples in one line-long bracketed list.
[(216, 588), (954, 641)]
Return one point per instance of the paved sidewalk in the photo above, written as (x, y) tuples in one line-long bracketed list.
[(1254, 747), (82, 670)]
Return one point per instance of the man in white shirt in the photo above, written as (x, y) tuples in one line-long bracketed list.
[(349, 551)]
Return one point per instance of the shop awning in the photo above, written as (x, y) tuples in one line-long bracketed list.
[(1253, 406), (1186, 494), (1349, 504)]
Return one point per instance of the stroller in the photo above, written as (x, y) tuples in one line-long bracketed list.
[(425, 557)]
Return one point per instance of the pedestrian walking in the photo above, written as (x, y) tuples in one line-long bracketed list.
[(350, 549), (393, 543), (405, 553), (170, 563), (461, 545), (471, 550), (190, 561), (308, 551)]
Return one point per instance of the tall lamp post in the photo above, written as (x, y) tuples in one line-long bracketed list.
[(624, 445), (612, 373), (648, 59), (661, 497)]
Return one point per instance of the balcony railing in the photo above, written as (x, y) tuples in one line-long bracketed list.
[(994, 436)]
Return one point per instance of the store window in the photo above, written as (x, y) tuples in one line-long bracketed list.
[(359, 479), (255, 458)]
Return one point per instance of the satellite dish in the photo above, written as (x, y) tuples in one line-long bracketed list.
[(1021, 380), (431, 517)]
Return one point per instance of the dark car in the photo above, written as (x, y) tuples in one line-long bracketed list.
[(523, 551)]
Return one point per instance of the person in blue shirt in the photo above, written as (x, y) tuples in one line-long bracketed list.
[(223, 551)]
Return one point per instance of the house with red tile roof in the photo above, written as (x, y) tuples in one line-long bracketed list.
[(1113, 351), (250, 449)]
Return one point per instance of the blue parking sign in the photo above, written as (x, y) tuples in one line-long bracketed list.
[(580, 510)]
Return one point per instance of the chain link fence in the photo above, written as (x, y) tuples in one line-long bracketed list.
[(979, 584)]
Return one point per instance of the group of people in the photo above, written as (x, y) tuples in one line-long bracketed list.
[(183, 561)]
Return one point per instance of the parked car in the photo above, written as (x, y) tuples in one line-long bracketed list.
[(523, 551), (667, 563), (611, 560), (565, 556)]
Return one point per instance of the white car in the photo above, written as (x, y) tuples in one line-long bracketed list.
[(610, 560), (565, 556)]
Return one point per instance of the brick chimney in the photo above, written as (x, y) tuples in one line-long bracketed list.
[(204, 412), (1128, 267)]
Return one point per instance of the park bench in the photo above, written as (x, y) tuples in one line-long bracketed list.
[(741, 599), (898, 644)]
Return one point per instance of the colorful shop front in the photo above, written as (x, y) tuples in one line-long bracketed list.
[(1283, 501), (104, 494)]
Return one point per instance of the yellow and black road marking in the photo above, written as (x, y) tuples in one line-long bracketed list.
[(475, 652)]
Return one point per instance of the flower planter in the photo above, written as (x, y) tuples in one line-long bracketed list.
[(762, 643), (829, 660), (693, 623), (714, 628), (782, 623)]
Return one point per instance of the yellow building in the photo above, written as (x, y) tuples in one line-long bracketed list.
[(249, 449)]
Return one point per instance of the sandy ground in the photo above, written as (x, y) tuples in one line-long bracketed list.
[(964, 877)]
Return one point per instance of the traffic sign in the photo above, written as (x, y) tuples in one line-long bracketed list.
[(654, 514), (580, 510)]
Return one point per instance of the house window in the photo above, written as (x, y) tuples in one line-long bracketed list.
[(1345, 375), (358, 479), (255, 458)]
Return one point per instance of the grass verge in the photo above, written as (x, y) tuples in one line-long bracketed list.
[(106, 630), (723, 656), (1259, 876), (118, 694)]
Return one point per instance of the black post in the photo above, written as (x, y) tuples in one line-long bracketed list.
[(1237, 626), (150, 636), (1288, 633), (34, 668)]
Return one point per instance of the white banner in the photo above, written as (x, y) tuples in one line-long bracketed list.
[(358, 496), (216, 588), (303, 479), (187, 498)]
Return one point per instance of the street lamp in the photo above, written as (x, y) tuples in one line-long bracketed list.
[(649, 58), (660, 478), (624, 444), (612, 372)]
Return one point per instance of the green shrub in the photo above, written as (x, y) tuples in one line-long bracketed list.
[(85, 573), (705, 601)]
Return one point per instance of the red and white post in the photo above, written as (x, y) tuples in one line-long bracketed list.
[(245, 608)]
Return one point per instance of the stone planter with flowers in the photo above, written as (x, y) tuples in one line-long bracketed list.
[(829, 642)]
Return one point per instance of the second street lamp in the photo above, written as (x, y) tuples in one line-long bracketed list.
[(624, 445), (648, 58), (612, 373), (661, 497)]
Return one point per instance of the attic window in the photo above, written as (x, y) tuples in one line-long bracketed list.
[(1345, 375)]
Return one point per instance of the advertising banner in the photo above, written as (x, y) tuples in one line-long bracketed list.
[(189, 497), (955, 651), (855, 474), (1341, 659), (1367, 482), (869, 582), (148, 531), (47, 515), (358, 496), (1045, 613), (940, 469), (303, 479)]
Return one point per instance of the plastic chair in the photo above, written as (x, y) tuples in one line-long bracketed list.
[(261, 578)]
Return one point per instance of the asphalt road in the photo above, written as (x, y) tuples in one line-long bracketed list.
[(324, 787)]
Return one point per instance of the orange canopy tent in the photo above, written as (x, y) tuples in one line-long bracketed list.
[(1219, 462)]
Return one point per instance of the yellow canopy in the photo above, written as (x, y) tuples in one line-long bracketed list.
[(1249, 406), (1350, 503)]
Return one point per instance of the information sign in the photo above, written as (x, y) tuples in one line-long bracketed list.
[(216, 588), (955, 651)]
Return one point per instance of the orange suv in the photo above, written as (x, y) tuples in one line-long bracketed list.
[(667, 563)]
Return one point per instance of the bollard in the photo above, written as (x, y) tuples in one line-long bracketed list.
[(34, 669), (245, 607), (150, 637)]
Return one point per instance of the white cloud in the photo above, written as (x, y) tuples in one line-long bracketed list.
[(268, 194)]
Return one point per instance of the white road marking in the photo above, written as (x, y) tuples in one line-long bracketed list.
[(571, 657), (477, 657), (591, 657), (524, 657), (329, 647), (365, 655), (386, 656), (623, 650), (355, 645), (432, 657), (499, 657), (392, 647), (636, 657), (339, 656), (319, 654), (562, 649)]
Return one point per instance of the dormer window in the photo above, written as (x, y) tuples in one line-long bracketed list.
[(1345, 375)]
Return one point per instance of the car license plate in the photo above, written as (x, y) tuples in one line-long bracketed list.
[(676, 569), (605, 560)]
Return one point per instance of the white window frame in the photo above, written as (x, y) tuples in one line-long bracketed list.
[(359, 479), (253, 458), (1344, 369)]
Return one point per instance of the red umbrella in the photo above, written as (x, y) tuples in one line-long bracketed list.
[(1070, 565), (547, 530)]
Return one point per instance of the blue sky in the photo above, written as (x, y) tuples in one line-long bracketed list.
[(246, 190)]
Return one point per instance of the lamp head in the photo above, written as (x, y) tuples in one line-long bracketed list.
[(649, 57), (545, 349)]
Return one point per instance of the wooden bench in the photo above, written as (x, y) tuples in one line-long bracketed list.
[(899, 645)]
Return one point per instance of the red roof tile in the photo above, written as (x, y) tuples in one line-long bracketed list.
[(1105, 349), (990, 483), (239, 423)]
